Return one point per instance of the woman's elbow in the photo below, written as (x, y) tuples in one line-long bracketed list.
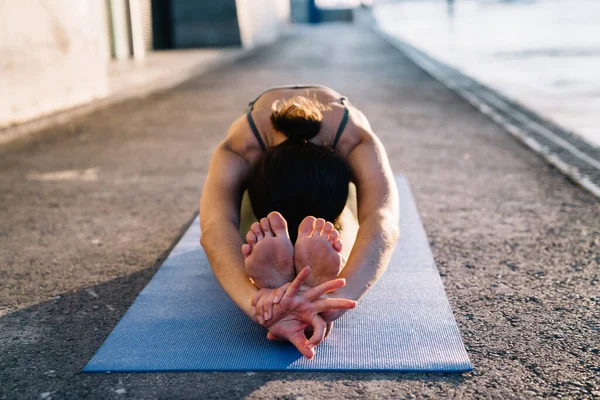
[(391, 234), (394, 233), (207, 235), (203, 240), (390, 227)]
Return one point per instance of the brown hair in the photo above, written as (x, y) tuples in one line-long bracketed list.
[(298, 117)]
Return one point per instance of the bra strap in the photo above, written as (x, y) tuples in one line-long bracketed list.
[(342, 124), (254, 128)]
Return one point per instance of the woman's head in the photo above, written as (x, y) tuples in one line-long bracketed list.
[(298, 178), (298, 117)]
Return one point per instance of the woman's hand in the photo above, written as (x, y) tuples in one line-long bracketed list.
[(294, 312), (263, 301), (332, 315)]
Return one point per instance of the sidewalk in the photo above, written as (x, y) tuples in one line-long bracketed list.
[(89, 209)]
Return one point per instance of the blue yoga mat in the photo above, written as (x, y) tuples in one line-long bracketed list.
[(184, 321)]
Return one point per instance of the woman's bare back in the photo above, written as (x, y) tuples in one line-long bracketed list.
[(332, 118)]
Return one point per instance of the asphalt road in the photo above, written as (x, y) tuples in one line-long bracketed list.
[(517, 244)]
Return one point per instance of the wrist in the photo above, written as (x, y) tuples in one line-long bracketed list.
[(246, 305)]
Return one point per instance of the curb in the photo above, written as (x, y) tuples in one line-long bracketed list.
[(569, 153), (60, 117)]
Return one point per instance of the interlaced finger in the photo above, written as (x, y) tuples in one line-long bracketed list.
[(322, 305), (270, 336), (268, 305), (319, 332), (256, 297), (280, 292), (292, 290), (260, 308), (299, 340), (325, 287)]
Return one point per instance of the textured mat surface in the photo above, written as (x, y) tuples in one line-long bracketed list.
[(184, 321)]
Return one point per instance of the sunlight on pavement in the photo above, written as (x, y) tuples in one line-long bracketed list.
[(545, 55), (85, 175)]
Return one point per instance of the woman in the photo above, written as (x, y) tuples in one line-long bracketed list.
[(299, 145)]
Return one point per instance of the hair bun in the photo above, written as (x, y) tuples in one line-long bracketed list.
[(298, 117)]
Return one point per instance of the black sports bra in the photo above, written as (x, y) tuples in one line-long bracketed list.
[(343, 100)]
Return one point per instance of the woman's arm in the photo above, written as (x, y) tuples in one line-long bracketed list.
[(378, 217), (219, 222)]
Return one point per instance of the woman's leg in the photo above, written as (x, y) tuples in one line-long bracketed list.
[(348, 223), (247, 217)]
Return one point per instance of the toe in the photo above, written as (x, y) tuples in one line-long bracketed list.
[(333, 236), (327, 229), (251, 239), (319, 224), (266, 227), (278, 224), (257, 231), (246, 250), (306, 226), (337, 245)]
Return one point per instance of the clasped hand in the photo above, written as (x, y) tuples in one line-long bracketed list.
[(286, 312)]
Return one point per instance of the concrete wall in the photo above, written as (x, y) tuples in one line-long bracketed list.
[(260, 21), (53, 55)]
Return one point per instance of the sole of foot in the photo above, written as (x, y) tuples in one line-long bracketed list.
[(318, 245), (269, 252)]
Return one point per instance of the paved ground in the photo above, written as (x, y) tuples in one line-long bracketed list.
[(518, 245), (466, 49), (548, 59)]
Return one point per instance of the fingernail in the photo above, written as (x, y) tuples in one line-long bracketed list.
[(266, 316), (260, 320), (276, 299), (311, 346), (253, 311)]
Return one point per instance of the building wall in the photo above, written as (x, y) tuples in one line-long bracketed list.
[(260, 21), (299, 11), (53, 55), (204, 23), (193, 23)]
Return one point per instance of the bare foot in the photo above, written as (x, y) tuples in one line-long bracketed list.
[(318, 245), (269, 252)]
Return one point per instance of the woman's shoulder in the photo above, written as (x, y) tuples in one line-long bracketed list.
[(241, 141), (357, 131)]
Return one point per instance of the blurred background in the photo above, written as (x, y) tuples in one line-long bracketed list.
[(545, 54), (58, 54)]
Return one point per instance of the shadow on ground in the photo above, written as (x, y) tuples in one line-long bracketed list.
[(52, 341)]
